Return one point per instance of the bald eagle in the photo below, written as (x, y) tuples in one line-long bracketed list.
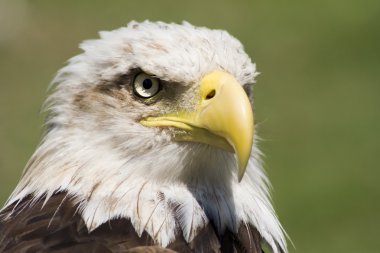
[(149, 133)]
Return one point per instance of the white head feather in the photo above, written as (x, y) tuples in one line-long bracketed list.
[(96, 149)]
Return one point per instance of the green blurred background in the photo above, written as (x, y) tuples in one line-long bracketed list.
[(317, 99)]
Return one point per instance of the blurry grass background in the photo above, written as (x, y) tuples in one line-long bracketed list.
[(317, 99)]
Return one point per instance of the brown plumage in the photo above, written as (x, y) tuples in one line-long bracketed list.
[(56, 226)]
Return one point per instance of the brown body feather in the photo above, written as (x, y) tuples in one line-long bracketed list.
[(30, 226)]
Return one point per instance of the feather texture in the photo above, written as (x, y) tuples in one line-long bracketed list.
[(56, 226)]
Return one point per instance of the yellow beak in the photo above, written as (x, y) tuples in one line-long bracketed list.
[(224, 118)]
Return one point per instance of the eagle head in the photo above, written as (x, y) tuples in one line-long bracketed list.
[(153, 122)]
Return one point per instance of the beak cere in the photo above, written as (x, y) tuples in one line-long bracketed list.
[(224, 118)]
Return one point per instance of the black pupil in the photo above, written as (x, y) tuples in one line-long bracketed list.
[(147, 84)]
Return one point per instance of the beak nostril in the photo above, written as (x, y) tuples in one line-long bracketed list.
[(210, 95)]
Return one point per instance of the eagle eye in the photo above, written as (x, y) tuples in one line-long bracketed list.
[(146, 86)]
